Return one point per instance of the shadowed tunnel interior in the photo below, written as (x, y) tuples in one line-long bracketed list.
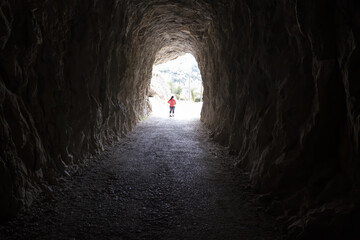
[(281, 90)]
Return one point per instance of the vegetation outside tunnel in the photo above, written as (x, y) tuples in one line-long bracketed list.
[(180, 77)]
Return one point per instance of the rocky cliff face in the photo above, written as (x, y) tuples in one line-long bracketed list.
[(280, 88)]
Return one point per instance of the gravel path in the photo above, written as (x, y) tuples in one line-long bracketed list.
[(165, 180)]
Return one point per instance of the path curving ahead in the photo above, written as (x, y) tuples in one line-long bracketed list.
[(165, 180)]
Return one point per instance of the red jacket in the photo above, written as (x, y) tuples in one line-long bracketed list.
[(172, 102)]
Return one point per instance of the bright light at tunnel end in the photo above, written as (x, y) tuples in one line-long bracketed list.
[(180, 78)]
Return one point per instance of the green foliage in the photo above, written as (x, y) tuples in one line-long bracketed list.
[(172, 87), (175, 90), (178, 92), (193, 94), (196, 95)]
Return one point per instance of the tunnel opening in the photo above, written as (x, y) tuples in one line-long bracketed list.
[(181, 78)]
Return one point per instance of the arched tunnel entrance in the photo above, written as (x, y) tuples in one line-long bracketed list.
[(181, 79), (280, 85)]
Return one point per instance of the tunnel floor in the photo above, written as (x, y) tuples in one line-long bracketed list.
[(165, 180)]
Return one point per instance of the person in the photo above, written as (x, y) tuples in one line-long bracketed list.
[(172, 103)]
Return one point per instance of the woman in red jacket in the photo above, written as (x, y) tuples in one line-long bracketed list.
[(172, 103)]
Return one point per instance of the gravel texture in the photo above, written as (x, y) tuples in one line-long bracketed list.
[(164, 180)]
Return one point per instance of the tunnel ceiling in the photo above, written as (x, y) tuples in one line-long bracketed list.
[(280, 79), (170, 28)]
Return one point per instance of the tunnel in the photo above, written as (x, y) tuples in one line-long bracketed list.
[(280, 94)]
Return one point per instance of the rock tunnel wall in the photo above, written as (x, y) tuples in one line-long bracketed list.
[(284, 96), (280, 88), (74, 79), (63, 93)]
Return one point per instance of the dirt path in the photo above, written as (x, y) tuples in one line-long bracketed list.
[(165, 180)]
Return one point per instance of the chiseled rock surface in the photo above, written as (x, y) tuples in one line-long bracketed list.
[(63, 90), (282, 94), (280, 88)]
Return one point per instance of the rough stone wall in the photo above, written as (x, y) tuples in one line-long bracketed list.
[(280, 88), (74, 77), (65, 89), (291, 111)]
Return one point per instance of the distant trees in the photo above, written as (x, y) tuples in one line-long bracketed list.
[(184, 78), (175, 90), (178, 92), (172, 87), (195, 95)]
